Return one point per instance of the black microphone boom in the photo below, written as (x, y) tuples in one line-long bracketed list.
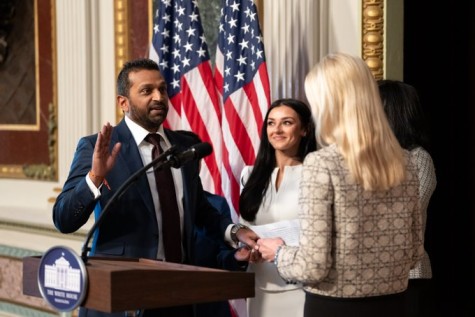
[(167, 159)]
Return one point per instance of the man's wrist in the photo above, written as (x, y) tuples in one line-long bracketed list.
[(98, 179), (95, 178)]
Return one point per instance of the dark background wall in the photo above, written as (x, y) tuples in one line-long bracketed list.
[(439, 62)]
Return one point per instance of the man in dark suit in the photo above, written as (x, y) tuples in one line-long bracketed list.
[(104, 161)]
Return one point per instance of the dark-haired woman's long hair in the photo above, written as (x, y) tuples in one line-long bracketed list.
[(405, 114), (259, 179)]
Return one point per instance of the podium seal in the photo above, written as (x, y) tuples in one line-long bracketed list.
[(62, 278)]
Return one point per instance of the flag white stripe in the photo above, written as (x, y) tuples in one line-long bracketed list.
[(261, 95), (246, 115)]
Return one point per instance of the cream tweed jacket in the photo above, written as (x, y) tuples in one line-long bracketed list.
[(353, 243)]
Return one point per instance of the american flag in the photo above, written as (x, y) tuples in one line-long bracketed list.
[(242, 94), (179, 47), (243, 83)]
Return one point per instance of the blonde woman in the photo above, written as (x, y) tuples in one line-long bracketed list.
[(361, 228)]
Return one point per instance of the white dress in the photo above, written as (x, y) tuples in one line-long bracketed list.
[(273, 296)]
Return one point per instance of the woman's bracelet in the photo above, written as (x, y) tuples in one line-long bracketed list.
[(277, 253)]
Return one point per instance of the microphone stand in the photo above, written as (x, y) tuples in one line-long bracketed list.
[(162, 162)]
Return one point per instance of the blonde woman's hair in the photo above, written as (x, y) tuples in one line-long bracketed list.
[(348, 111)]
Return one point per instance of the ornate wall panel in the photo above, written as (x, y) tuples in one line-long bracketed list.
[(28, 107)]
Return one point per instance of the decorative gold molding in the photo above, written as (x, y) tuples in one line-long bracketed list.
[(43, 171), (151, 14), (53, 107), (260, 13), (373, 36), (121, 30), (11, 171)]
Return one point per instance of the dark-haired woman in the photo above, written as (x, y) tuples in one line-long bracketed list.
[(270, 194), (405, 115)]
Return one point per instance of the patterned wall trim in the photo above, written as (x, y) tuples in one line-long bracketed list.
[(40, 230), (121, 25), (17, 310), (373, 36), (7, 251)]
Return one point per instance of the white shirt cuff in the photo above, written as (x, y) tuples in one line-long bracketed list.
[(96, 191)]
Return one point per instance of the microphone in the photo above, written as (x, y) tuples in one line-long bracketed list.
[(195, 152), (167, 159)]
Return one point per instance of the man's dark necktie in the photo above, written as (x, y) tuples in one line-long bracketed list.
[(171, 231)]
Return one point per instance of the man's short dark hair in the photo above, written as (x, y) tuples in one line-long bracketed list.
[(123, 83)]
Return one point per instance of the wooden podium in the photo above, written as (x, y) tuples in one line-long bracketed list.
[(127, 284)]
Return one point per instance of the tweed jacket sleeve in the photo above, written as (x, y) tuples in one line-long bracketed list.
[(312, 260)]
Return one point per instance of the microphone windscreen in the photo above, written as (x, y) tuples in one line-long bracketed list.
[(203, 149)]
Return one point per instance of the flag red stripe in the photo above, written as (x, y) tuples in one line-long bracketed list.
[(218, 78), (207, 75), (174, 112), (212, 123), (233, 193), (251, 93), (239, 132), (264, 78), (197, 125)]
